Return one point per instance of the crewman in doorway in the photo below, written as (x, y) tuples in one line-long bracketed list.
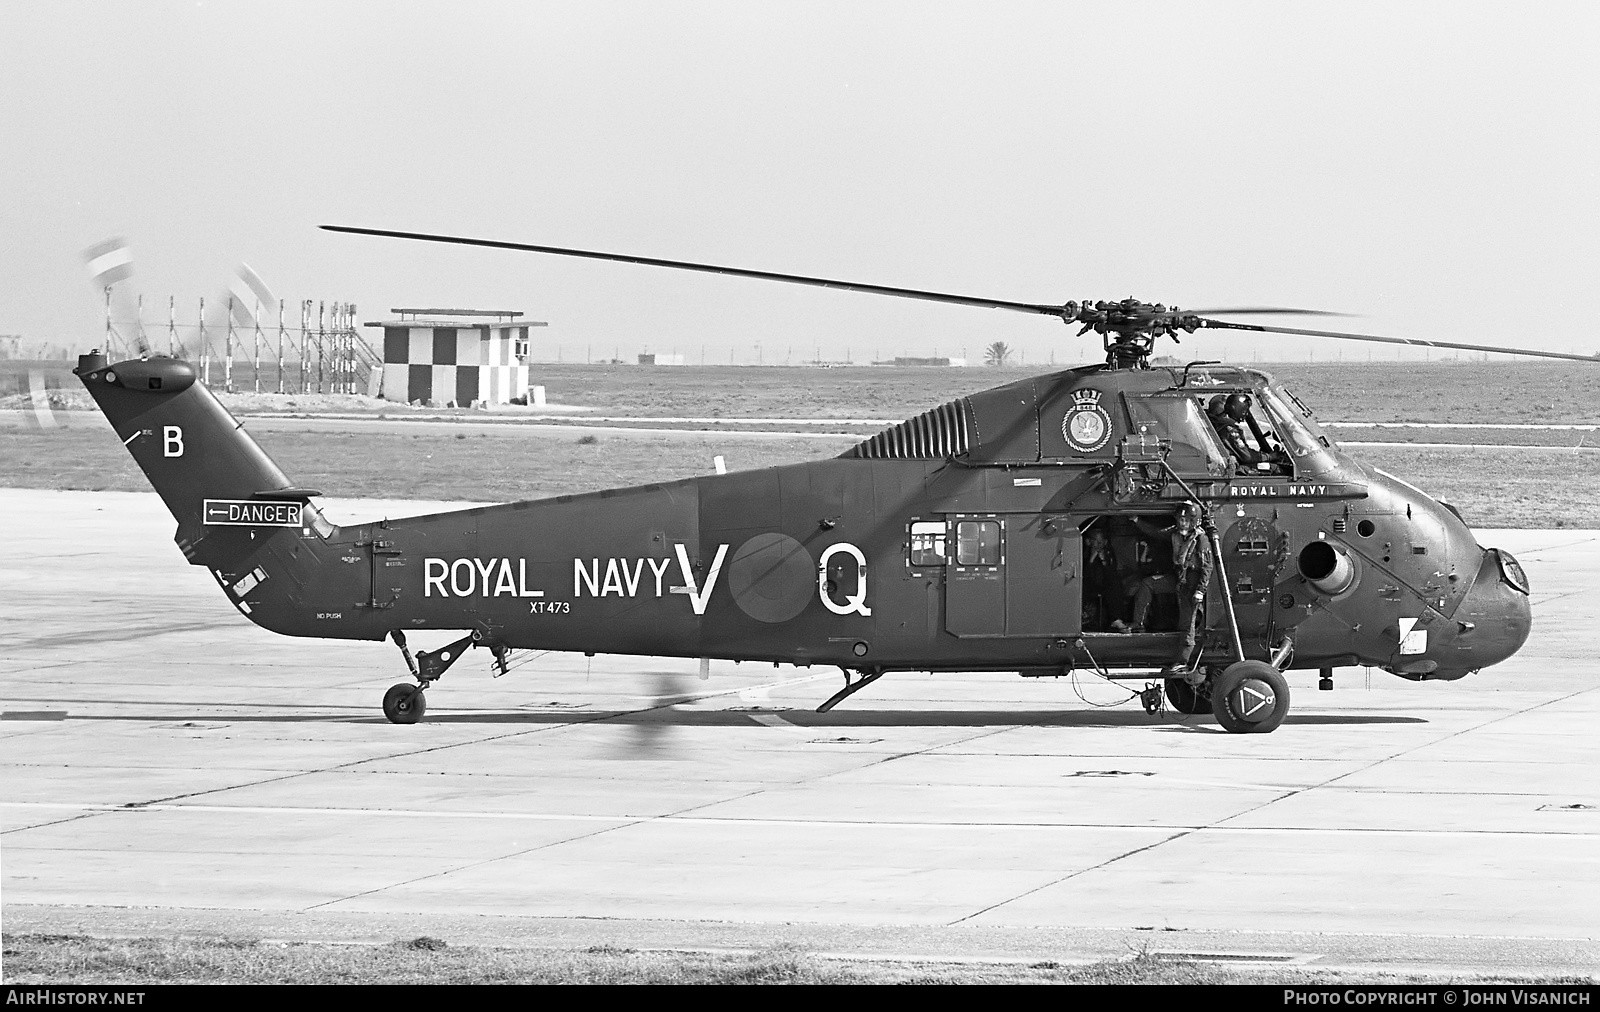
[(1190, 577)]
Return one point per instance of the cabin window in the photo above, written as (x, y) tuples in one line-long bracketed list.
[(928, 542), (978, 543)]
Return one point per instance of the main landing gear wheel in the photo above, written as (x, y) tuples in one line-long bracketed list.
[(1185, 698), (404, 703), (1250, 697)]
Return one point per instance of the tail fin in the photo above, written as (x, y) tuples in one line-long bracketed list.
[(195, 453)]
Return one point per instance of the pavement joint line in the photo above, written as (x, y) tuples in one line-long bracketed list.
[(91, 809), (145, 805), (674, 700), (976, 736), (1330, 782), (1472, 446), (1555, 597), (1220, 826), (1070, 875), (679, 817), (1565, 544), (589, 718), (1530, 426), (465, 866), (622, 823), (1103, 864)]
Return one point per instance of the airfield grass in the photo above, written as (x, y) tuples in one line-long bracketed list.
[(1501, 487), (1504, 392), (486, 467), (1447, 391), (85, 960)]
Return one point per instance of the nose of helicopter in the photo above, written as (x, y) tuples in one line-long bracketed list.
[(1495, 617)]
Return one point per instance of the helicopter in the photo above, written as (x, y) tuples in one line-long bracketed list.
[(1008, 530)]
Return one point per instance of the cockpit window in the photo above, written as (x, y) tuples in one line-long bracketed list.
[(1309, 452), (1307, 417), (1511, 570), (1194, 445)]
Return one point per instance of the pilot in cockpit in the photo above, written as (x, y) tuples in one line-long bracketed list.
[(1229, 413)]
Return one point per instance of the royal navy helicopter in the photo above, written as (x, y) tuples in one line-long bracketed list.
[(1010, 530)]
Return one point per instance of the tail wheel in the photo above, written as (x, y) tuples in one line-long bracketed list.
[(1185, 698), (404, 703), (1250, 697)]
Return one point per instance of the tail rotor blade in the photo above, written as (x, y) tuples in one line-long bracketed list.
[(110, 262)]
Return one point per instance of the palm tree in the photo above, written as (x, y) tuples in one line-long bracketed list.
[(997, 354)]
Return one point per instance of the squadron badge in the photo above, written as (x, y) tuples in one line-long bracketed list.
[(1086, 425)]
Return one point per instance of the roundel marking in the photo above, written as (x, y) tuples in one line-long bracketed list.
[(772, 577)]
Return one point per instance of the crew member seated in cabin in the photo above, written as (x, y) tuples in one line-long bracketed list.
[(1103, 600), (1188, 578), (1143, 551)]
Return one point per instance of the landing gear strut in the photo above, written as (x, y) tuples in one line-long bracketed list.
[(404, 703), (864, 678)]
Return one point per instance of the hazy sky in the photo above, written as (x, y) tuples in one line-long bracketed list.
[(1430, 167)]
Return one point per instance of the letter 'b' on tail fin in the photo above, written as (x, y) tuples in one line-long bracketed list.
[(184, 440)]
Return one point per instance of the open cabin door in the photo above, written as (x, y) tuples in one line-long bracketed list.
[(1013, 574)]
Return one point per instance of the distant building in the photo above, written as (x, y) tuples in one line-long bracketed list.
[(904, 360), (454, 356), (656, 358)]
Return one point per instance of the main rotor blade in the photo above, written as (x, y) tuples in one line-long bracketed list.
[(739, 272), (1413, 341), (1263, 311)]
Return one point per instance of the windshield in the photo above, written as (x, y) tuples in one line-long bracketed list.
[(1310, 452)]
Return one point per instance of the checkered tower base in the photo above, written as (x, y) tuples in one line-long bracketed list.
[(462, 365)]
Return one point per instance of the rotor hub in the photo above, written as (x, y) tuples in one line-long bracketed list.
[(1129, 327)]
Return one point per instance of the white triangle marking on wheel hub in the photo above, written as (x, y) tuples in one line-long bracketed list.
[(1252, 699)]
